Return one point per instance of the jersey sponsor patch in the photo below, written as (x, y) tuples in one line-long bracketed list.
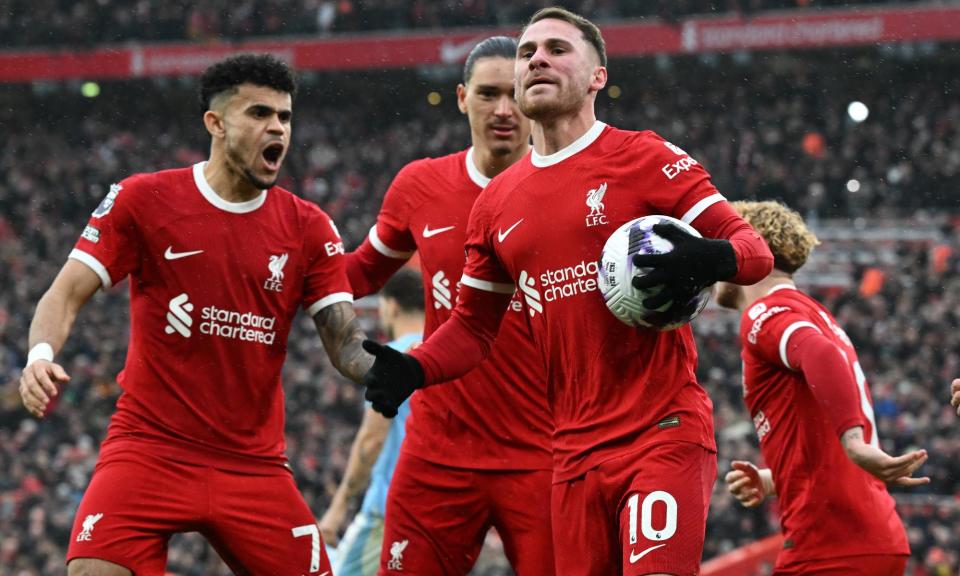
[(762, 317), (91, 234)]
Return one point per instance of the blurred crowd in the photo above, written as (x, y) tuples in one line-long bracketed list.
[(766, 126), (79, 23)]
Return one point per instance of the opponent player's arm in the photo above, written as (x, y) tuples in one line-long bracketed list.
[(748, 484), (827, 373), (343, 338), (52, 322), (363, 454)]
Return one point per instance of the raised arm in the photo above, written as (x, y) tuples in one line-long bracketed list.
[(342, 338), (51, 326)]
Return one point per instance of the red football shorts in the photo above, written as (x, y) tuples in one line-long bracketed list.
[(869, 565), (642, 513), (259, 524), (438, 516)]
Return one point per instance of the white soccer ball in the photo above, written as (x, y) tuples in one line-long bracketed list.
[(616, 271)]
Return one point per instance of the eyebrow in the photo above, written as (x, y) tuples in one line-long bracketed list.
[(550, 42), (268, 108)]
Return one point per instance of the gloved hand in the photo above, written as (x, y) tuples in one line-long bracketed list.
[(393, 377), (692, 265)]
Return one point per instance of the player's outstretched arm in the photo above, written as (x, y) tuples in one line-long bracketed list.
[(363, 454), (342, 338), (748, 484), (892, 470), (955, 395), (51, 325)]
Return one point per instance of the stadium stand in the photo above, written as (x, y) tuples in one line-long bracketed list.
[(89, 22), (767, 125)]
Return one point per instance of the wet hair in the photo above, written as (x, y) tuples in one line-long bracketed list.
[(784, 231), (590, 31), (226, 76), (493, 47), (406, 288)]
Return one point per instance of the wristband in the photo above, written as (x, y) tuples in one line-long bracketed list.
[(41, 351)]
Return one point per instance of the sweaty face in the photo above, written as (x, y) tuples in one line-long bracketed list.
[(554, 69), (495, 118), (257, 133), (728, 295)]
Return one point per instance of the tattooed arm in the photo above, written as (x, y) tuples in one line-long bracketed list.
[(892, 470), (342, 336)]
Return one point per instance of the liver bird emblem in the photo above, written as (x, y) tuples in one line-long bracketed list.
[(595, 200), (277, 262)]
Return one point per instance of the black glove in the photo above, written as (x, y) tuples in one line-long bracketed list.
[(692, 265), (393, 377)]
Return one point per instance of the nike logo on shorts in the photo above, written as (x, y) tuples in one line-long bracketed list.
[(634, 557), (427, 232), (501, 235), (171, 255)]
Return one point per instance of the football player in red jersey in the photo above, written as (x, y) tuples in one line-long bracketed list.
[(811, 406), (477, 452), (634, 452), (219, 261)]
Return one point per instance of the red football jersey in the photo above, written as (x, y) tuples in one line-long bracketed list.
[(541, 226), (214, 287), (496, 416), (829, 507)]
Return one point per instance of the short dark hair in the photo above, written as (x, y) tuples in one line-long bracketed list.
[(406, 288), (590, 31), (227, 75), (492, 47)]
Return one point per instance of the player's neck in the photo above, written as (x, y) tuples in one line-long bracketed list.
[(490, 164), (554, 134), (753, 293), (406, 324), (227, 184)]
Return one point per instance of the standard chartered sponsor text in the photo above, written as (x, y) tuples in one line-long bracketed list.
[(569, 281), (248, 327)]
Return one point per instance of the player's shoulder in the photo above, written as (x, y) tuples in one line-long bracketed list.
[(775, 313), (433, 167), (141, 190)]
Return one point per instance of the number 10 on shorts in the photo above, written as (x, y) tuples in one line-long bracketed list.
[(645, 513)]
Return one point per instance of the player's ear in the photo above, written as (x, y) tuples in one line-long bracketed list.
[(462, 98), (599, 79), (213, 120)]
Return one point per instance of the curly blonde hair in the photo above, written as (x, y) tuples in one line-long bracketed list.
[(783, 230)]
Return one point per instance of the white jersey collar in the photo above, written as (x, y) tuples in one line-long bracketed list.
[(781, 287), (576, 146), (475, 174), (216, 200)]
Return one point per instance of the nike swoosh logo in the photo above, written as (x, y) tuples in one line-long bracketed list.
[(171, 255), (634, 557), (427, 232), (501, 234)]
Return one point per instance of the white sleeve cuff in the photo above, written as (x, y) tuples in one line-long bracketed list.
[(93, 264), (384, 249), (785, 338), (328, 300), (701, 207), (487, 285)]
